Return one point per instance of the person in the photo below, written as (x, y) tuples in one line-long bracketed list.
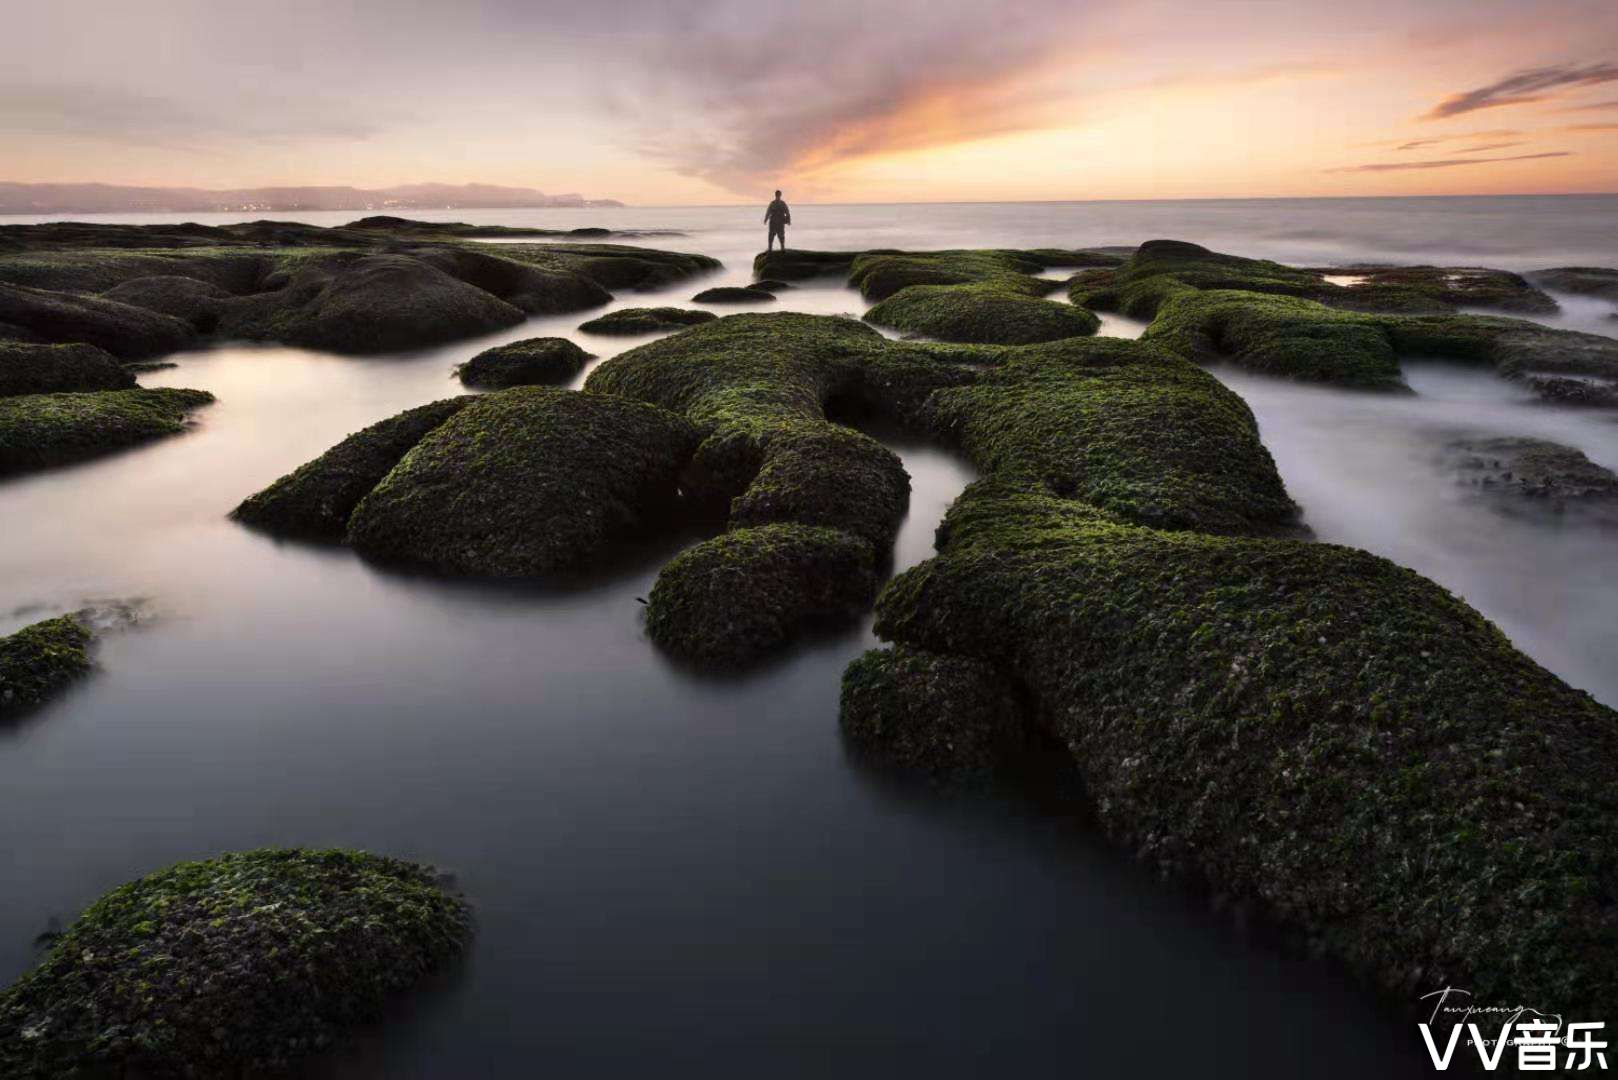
[(778, 217)]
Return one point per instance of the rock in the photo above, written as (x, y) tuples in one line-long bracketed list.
[(646, 320), (733, 600), (128, 332), (771, 285), (196, 302), (527, 482), (372, 303), (1545, 472), (314, 501), (245, 964), (41, 430), (1597, 281), (536, 289), (991, 312), (732, 295), (38, 661), (529, 362), (45, 369), (947, 716)]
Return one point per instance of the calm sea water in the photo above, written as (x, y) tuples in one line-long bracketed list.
[(674, 873)]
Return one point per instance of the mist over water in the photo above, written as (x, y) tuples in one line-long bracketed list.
[(679, 872)]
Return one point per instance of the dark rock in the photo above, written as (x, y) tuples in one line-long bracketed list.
[(530, 362), (128, 332), (46, 369), (37, 662), (41, 430), (314, 501), (646, 320), (731, 295)]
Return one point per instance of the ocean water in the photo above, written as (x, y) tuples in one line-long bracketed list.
[(675, 873)]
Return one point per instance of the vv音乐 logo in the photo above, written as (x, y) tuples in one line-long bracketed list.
[(1541, 1042)]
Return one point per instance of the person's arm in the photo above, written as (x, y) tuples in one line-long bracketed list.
[(767, 213), (786, 218)]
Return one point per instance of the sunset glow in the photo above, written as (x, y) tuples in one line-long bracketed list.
[(717, 102)]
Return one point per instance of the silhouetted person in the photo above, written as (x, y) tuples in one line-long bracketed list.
[(778, 217)]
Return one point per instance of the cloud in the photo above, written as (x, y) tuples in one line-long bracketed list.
[(1434, 140), (1590, 106), (1489, 146), (1443, 163), (1589, 127), (744, 95), (1534, 84)]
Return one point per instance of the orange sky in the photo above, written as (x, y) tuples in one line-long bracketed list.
[(668, 101)]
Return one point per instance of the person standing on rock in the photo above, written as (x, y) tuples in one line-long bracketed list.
[(778, 217)]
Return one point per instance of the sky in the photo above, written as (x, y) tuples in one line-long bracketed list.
[(677, 102)]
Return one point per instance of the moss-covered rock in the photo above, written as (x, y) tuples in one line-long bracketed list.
[(1277, 335), (730, 294), (526, 482), (949, 716), (1302, 726), (756, 387), (1428, 289), (1597, 281), (1535, 472), (314, 501), (530, 362), (731, 601), (47, 369), (878, 275), (1000, 311), (41, 430), (646, 320), (370, 303), (239, 965), (770, 285), (195, 301), (376, 286), (799, 264), (1123, 426), (37, 661), (125, 331)]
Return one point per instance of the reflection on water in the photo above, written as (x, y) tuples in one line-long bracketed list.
[(670, 869)]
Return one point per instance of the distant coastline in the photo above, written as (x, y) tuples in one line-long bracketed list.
[(16, 198)]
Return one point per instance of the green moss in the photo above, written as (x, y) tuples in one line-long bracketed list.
[(37, 661), (525, 363), (127, 332), (41, 430), (314, 501), (1304, 726), (1123, 426), (525, 482), (1000, 311), (799, 264), (1433, 289), (949, 716), (728, 294), (646, 320), (1278, 335), (756, 387), (238, 965), (730, 601), (45, 369)]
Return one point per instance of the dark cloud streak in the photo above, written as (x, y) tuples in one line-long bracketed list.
[(1523, 87), (1443, 163)]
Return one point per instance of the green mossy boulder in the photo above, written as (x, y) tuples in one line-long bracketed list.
[(756, 388), (620, 266), (770, 285), (530, 362), (538, 289), (878, 275), (730, 294), (1305, 727), (314, 501), (948, 716), (1277, 335), (646, 320), (41, 430), (731, 601), (197, 302), (1434, 289), (47, 369), (370, 303), (37, 661), (799, 265), (1000, 311), (1121, 425), (526, 482), (245, 964), (126, 331)]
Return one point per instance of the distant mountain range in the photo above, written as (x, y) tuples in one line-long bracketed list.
[(116, 198)]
